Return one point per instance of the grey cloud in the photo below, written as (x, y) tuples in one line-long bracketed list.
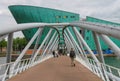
[(103, 9), (96, 8)]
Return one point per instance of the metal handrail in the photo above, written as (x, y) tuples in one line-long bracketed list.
[(20, 67), (110, 73)]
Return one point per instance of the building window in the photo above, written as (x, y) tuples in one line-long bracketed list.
[(58, 16), (72, 16), (87, 38), (29, 31), (65, 17)]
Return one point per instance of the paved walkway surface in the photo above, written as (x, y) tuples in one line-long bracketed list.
[(56, 69)]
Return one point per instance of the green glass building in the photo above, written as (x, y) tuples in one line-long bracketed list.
[(89, 37), (31, 14)]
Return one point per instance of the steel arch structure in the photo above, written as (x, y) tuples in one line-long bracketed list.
[(69, 40), (51, 42)]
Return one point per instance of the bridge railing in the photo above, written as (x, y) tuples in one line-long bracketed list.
[(92, 66), (110, 73), (7, 72)]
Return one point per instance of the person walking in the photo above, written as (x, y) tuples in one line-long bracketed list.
[(56, 53), (72, 57), (53, 53)]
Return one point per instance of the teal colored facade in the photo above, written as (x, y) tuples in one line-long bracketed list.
[(89, 37), (31, 14)]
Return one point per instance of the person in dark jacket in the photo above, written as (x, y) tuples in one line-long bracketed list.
[(53, 53), (72, 56)]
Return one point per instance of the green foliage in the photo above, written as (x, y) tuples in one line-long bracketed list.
[(19, 44), (3, 43)]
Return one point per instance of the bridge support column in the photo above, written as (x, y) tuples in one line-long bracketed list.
[(85, 44), (111, 44), (9, 47), (52, 45), (36, 53), (68, 40), (73, 42), (23, 52), (51, 40), (9, 50), (100, 53), (68, 44), (37, 42), (98, 46), (81, 45), (94, 57)]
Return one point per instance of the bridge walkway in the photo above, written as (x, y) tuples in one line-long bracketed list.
[(56, 69)]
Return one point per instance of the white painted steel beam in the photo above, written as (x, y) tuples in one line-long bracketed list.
[(85, 44), (98, 46), (46, 43), (19, 27), (37, 43), (72, 45), (89, 50), (80, 44), (99, 28), (68, 45), (9, 47), (55, 46), (3, 37), (52, 45), (82, 24), (68, 42), (51, 40), (73, 42), (49, 44), (27, 47), (111, 44), (73, 39), (113, 77), (24, 51), (36, 53)]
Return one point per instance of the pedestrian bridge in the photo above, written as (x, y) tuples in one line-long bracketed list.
[(43, 67), (92, 69), (57, 69)]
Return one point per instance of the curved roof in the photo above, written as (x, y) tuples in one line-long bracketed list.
[(30, 14)]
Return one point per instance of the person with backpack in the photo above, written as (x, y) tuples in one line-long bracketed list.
[(72, 56), (56, 53), (53, 53)]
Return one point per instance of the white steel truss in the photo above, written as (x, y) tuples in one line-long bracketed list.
[(51, 43)]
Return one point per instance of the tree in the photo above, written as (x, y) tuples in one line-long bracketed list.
[(19, 44), (3, 43)]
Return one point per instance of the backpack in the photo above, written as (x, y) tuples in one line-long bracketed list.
[(72, 54), (53, 52)]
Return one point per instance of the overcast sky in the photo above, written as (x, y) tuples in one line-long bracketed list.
[(103, 9)]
